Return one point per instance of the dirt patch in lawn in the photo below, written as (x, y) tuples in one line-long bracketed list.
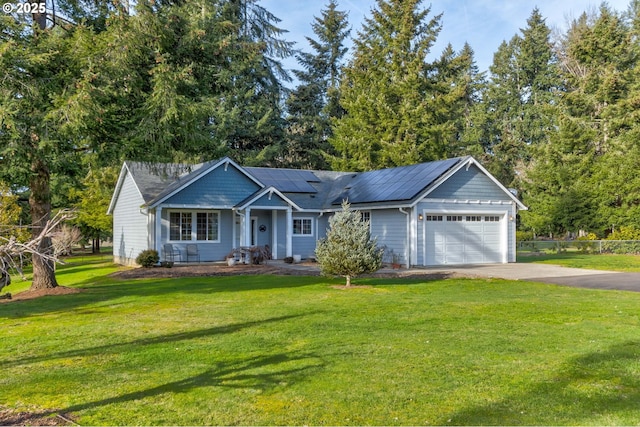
[(31, 294), (13, 418)]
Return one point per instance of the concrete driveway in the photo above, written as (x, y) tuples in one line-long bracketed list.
[(554, 274)]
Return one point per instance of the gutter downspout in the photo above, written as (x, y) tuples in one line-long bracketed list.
[(407, 249)]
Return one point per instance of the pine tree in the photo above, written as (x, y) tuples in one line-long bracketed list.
[(348, 250)]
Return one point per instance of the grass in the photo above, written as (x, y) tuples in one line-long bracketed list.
[(267, 350), (610, 262)]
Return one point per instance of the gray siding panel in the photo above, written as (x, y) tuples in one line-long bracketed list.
[(209, 251), (217, 188), (469, 184), (389, 226), (305, 246), (129, 224)]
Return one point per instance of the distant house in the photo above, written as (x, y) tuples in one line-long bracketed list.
[(447, 212)]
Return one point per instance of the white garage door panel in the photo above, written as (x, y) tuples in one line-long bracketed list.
[(463, 239)]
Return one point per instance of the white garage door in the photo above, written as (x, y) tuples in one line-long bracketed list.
[(463, 239)]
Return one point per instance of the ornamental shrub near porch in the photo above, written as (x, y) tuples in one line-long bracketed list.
[(348, 249)]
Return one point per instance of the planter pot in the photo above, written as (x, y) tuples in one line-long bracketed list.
[(231, 262), (297, 259)]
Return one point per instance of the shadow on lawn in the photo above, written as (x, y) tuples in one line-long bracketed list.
[(102, 289), (121, 347), (260, 372), (600, 387)]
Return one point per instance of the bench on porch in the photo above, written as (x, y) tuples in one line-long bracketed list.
[(250, 254)]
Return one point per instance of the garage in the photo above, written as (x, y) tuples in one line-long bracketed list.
[(464, 238)]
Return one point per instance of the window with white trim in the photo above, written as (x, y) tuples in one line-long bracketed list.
[(365, 216), (194, 226), (302, 227)]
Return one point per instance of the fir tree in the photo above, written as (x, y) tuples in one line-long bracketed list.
[(348, 250), (389, 92), (315, 102)]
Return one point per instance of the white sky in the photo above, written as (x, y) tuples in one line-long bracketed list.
[(484, 24)]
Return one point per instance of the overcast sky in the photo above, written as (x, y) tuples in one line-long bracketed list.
[(482, 23)]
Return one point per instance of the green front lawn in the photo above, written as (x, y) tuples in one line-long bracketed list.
[(267, 350), (610, 262)]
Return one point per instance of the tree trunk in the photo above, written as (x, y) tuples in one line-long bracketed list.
[(44, 275), (348, 281)]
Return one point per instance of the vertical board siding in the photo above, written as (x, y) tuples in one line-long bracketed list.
[(217, 188), (469, 184), (129, 224)]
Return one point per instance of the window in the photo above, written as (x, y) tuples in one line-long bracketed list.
[(492, 218), (454, 217), (365, 216), (434, 217), (207, 226), (200, 225), (302, 227), (474, 218), (180, 226)]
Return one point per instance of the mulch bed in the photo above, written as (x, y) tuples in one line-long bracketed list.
[(208, 270)]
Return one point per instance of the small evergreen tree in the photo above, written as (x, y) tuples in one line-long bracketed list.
[(348, 249)]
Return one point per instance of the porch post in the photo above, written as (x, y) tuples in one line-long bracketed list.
[(158, 233), (247, 227), (289, 232), (274, 234)]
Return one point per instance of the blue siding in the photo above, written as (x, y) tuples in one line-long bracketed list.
[(208, 251), (389, 226), (305, 246), (276, 201), (129, 224), (217, 188), (469, 184)]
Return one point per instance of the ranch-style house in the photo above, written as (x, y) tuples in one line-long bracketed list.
[(447, 212)]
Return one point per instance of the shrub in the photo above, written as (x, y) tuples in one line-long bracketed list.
[(522, 236), (348, 249), (148, 258)]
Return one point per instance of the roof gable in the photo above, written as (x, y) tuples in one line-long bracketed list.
[(471, 181)]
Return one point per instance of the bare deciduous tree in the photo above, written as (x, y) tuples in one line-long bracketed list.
[(12, 250)]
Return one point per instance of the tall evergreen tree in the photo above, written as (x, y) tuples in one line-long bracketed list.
[(40, 71), (389, 91), (578, 179), (522, 90), (316, 100)]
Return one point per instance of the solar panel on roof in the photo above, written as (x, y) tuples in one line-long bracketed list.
[(402, 183), (286, 180)]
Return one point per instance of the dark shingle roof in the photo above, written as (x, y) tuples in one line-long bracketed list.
[(154, 180), (309, 189)]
